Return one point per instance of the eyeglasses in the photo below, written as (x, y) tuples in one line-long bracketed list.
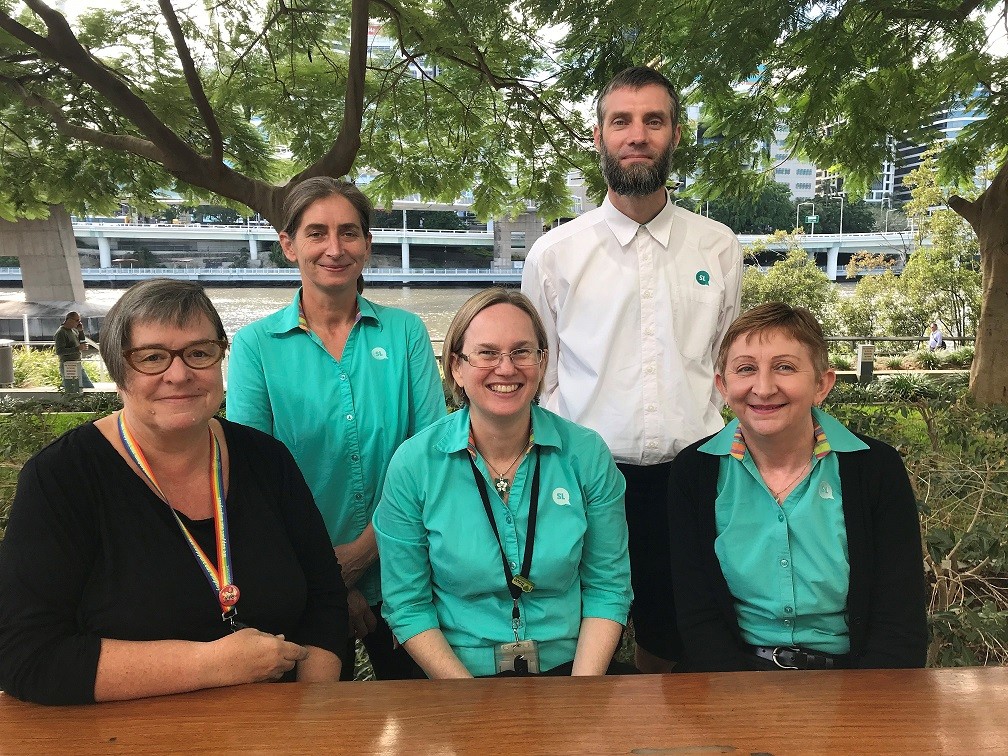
[(155, 360), (490, 358)]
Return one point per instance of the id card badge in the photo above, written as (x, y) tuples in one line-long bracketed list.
[(521, 657)]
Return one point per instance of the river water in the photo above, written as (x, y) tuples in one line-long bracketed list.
[(240, 306)]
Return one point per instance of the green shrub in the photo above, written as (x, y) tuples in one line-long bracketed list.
[(36, 367), (841, 362), (958, 358), (955, 453), (927, 360), (893, 363)]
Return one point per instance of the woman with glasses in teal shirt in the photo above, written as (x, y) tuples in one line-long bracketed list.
[(342, 381), (795, 543), (501, 528)]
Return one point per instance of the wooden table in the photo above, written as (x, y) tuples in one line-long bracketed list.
[(962, 711)]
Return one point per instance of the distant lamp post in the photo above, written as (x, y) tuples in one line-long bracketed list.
[(797, 215), (842, 196), (887, 200)]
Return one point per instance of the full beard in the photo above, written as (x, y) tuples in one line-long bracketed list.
[(638, 179)]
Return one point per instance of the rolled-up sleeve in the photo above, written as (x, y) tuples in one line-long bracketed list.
[(407, 588), (605, 559), (247, 399)]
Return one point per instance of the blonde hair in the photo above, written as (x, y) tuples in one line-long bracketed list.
[(455, 336)]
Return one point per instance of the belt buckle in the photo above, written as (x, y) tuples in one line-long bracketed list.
[(776, 661)]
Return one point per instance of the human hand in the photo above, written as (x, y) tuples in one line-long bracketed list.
[(362, 619), (255, 656), (355, 557)]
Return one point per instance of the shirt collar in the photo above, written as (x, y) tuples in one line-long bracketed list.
[(457, 435), (830, 435), (292, 317), (624, 228)]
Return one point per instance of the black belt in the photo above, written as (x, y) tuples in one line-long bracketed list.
[(792, 657)]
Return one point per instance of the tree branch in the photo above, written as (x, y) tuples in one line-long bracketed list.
[(162, 146), (496, 81), (338, 160), (63, 47), (928, 12), (194, 83), (120, 142)]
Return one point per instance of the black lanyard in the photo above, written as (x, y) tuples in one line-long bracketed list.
[(517, 584)]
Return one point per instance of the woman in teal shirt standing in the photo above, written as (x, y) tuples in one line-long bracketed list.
[(501, 528), (795, 543), (342, 382)]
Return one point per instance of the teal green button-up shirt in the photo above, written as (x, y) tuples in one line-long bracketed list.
[(341, 419), (785, 564), (441, 565)]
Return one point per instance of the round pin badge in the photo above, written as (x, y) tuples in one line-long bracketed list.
[(229, 595)]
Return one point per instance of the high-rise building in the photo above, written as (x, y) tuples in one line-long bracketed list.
[(909, 155)]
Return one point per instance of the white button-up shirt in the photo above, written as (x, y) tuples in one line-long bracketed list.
[(634, 318)]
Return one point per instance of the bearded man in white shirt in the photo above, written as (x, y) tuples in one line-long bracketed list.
[(636, 296)]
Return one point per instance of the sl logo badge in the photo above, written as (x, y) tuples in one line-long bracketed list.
[(561, 497), (825, 491), (379, 354), (703, 278)]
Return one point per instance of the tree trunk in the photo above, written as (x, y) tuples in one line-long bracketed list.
[(988, 215)]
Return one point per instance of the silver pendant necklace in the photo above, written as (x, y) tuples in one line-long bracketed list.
[(501, 482)]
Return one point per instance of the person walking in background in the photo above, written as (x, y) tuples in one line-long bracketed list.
[(636, 297), (936, 340), (342, 382), (70, 344)]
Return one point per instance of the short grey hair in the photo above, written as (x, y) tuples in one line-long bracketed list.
[(158, 300)]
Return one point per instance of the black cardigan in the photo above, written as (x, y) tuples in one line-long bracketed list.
[(886, 598)]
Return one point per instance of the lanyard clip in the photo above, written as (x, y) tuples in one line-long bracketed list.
[(231, 617)]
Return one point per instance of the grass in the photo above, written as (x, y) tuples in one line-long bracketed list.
[(40, 367)]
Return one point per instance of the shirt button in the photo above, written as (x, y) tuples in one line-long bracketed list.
[(356, 458), (652, 444), (508, 519), (646, 294), (358, 496), (783, 562), (787, 622), (649, 331), (514, 565), (649, 369), (651, 408), (342, 376), (349, 417), (788, 610), (780, 518)]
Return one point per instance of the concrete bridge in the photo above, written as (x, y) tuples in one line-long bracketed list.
[(256, 235), (50, 271), (123, 277)]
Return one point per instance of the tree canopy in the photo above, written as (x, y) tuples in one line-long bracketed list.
[(197, 97)]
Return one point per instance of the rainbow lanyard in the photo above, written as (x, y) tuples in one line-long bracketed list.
[(220, 579)]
